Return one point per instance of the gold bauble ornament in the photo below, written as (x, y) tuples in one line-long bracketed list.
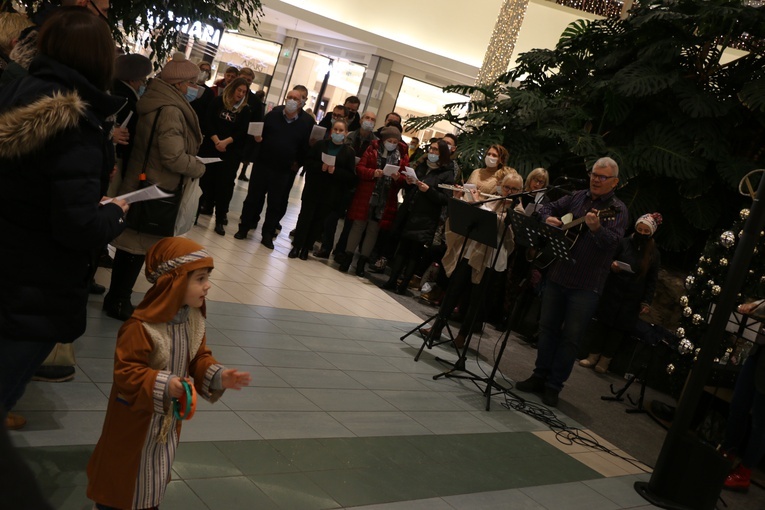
[(670, 369), (680, 332), (716, 290), (744, 213), (696, 319), (684, 299), (724, 262), (700, 271), (728, 239), (687, 312)]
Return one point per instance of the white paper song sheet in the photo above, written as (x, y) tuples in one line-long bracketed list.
[(623, 266), (150, 193), (327, 159), (390, 170), (255, 129), (318, 132), (207, 161), (410, 173)]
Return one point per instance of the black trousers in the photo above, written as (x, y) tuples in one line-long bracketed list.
[(312, 217), (458, 283), (273, 184), (405, 262), (217, 185), (125, 271)]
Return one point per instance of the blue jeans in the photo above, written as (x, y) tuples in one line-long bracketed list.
[(746, 398), (18, 362), (566, 313)]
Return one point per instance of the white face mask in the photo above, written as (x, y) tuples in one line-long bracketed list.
[(367, 125), (291, 106), (490, 161), (390, 147)]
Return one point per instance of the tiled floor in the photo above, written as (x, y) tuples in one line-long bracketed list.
[(338, 416)]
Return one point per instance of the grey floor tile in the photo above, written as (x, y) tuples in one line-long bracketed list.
[(294, 491), (619, 490), (334, 345), (417, 504), (99, 370), (264, 377), (103, 327), (347, 400), (294, 424), (457, 422), (179, 496), (269, 399), (569, 496), (69, 498), (345, 320), (418, 400), (496, 500), (389, 349), (95, 347), (380, 423), (296, 359), (46, 428), (216, 337), (288, 315), (230, 493), (386, 380), (359, 362), (221, 308), (217, 426), (306, 328), (232, 355), (316, 378), (243, 323), (69, 396), (369, 335), (260, 340)]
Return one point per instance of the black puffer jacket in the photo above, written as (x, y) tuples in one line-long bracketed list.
[(55, 158), (421, 212)]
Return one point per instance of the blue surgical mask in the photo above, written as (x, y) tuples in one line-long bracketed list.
[(390, 147), (291, 105), (367, 125), (191, 93), (433, 158), (338, 137), (141, 90)]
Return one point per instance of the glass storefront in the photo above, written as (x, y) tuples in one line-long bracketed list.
[(243, 51), (328, 80), (419, 99)]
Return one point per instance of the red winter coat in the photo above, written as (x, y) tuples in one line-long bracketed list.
[(359, 209)]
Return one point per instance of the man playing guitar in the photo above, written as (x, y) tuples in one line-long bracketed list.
[(573, 287)]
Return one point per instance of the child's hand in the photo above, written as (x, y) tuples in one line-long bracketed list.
[(233, 380), (175, 388)]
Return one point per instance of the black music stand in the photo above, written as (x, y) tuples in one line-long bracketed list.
[(531, 233), (472, 223), (478, 225)]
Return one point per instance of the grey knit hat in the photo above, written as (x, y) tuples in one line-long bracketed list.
[(179, 69), (132, 67), (390, 132)]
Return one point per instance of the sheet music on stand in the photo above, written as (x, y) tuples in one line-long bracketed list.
[(532, 233)]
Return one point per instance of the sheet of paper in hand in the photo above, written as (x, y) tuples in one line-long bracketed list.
[(150, 193), (255, 129), (327, 159), (390, 170)]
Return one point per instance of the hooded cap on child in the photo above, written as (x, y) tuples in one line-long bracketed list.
[(168, 264)]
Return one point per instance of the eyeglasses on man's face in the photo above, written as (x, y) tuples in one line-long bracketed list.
[(600, 177)]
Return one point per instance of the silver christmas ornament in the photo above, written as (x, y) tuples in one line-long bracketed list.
[(685, 346), (689, 281), (710, 283), (687, 312), (700, 271), (728, 239), (724, 262), (744, 213), (670, 369), (680, 332), (696, 319), (684, 300), (716, 290)]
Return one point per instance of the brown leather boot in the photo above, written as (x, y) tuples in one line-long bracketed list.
[(602, 366), (14, 421)]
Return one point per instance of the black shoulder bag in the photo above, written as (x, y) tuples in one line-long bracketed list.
[(155, 217)]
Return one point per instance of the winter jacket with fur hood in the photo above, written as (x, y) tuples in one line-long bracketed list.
[(172, 155), (55, 158)]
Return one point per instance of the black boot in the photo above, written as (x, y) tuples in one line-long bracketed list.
[(294, 252), (360, 266), (125, 272), (304, 254), (242, 232), (219, 229), (345, 263)]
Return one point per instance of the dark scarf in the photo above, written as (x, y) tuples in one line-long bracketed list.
[(382, 186)]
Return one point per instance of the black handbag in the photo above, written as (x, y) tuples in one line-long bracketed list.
[(155, 217)]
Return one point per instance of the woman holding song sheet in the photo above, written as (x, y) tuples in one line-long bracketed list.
[(330, 173)]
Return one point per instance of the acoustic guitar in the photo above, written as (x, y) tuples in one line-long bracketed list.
[(543, 256)]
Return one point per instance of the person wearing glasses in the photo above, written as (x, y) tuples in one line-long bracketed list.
[(574, 286)]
